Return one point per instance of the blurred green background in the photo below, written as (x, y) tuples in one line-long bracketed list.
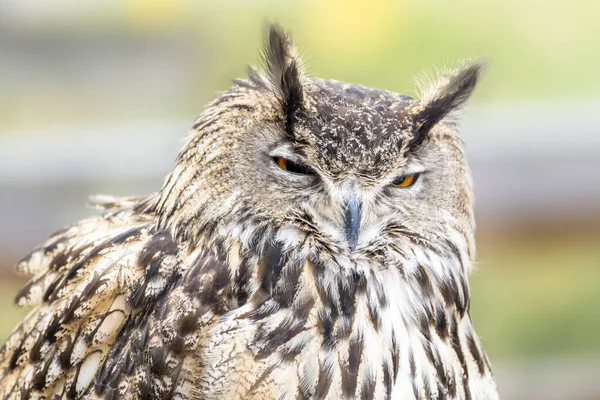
[(95, 97)]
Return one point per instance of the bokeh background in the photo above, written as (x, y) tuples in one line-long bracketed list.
[(96, 96)]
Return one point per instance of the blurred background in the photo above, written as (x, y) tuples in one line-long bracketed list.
[(96, 96)]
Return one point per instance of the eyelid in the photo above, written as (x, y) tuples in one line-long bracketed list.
[(287, 151), (292, 158), (414, 170)]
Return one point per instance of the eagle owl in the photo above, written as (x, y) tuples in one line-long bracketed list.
[(313, 241)]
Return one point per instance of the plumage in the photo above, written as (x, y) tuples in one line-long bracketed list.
[(247, 278)]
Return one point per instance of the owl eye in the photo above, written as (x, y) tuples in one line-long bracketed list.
[(293, 166), (405, 181)]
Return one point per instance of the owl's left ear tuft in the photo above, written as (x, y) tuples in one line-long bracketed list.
[(283, 69), (448, 94)]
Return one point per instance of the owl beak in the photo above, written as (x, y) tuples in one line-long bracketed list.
[(352, 222)]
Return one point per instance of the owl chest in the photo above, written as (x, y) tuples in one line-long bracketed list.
[(326, 355)]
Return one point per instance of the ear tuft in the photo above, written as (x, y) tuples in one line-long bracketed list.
[(447, 95), (283, 71)]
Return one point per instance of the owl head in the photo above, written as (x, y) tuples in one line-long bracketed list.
[(344, 167)]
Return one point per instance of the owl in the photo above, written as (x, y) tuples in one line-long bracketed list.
[(313, 241)]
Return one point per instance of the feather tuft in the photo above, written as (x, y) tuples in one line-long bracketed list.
[(283, 73), (443, 96)]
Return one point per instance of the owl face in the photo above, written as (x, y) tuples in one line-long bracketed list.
[(349, 168), (344, 165)]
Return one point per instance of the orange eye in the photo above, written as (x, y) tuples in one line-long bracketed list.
[(293, 166), (405, 181), (282, 162)]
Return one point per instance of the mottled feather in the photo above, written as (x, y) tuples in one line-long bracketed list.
[(238, 279)]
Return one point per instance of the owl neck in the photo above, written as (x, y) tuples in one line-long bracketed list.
[(357, 323)]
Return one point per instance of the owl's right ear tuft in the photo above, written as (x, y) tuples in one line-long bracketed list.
[(284, 72)]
